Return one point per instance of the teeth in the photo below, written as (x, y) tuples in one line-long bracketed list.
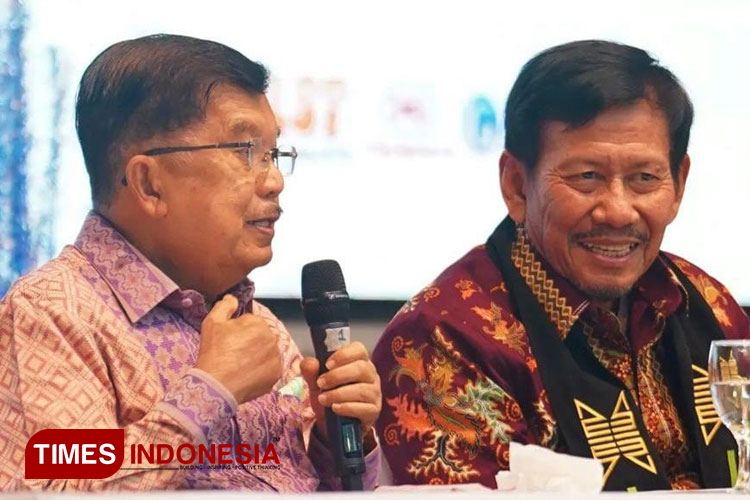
[(610, 251), (262, 223)]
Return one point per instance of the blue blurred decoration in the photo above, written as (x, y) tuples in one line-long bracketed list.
[(14, 142), (26, 226), (482, 129), (44, 229)]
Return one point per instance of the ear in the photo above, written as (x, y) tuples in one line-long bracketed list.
[(143, 175), (513, 184), (682, 176)]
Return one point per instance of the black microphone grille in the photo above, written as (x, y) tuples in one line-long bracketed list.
[(322, 276)]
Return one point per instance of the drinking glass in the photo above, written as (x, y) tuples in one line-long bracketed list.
[(729, 377)]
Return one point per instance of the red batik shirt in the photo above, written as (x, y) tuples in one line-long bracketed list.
[(460, 382)]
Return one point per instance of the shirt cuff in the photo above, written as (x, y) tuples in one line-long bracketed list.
[(198, 402), (322, 458)]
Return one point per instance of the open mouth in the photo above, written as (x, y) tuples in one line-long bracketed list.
[(611, 251), (265, 221), (264, 226), (262, 223)]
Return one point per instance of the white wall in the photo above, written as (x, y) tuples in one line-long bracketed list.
[(397, 192)]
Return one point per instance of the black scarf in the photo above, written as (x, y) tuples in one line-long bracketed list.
[(587, 399)]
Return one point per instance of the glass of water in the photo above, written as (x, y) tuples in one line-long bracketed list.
[(729, 376)]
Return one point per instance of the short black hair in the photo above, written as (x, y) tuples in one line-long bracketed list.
[(575, 82), (137, 89)]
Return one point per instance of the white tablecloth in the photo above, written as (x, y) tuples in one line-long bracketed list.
[(391, 494)]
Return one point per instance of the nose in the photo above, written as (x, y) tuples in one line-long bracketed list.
[(269, 184), (616, 207)]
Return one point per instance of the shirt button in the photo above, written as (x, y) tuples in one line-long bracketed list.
[(187, 302)]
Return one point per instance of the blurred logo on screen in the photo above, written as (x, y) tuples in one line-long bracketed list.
[(481, 125), (309, 111), (408, 122), (407, 111)]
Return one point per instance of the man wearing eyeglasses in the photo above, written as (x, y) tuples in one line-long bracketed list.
[(148, 323)]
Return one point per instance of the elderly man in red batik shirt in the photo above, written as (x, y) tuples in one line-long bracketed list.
[(570, 318), (148, 322)]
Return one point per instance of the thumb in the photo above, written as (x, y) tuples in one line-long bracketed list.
[(309, 368), (223, 309)]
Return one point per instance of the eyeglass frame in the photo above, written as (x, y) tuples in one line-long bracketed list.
[(249, 145)]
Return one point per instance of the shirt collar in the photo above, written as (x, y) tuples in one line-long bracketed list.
[(136, 282), (564, 303), (661, 288)]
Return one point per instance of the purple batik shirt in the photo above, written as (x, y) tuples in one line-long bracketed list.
[(99, 337)]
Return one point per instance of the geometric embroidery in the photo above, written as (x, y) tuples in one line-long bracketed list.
[(555, 305), (612, 438), (708, 419)]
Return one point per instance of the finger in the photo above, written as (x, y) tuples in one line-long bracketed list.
[(309, 368), (257, 324), (224, 309), (366, 413), (360, 393), (347, 354), (250, 319), (354, 372)]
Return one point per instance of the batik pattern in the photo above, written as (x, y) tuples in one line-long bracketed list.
[(448, 417), (456, 419), (101, 338), (460, 381), (657, 295), (726, 310)]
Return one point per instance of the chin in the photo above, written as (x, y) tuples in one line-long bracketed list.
[(606, 290), (260, 260), (605, 294)]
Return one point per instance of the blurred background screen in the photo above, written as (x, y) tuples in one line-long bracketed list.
[(396, 109)]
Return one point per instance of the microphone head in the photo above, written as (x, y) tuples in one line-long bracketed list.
[(324, 296), (321, 276)]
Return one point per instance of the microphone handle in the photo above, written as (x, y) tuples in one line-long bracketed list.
[(344, 433)]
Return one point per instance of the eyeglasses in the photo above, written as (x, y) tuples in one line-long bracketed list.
[(283, 157)]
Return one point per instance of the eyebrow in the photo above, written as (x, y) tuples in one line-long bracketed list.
[(603, 161), (244, 127), (572, 161), (648, 163)]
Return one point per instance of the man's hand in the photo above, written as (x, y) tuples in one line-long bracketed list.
[(242, 353), (351, 387)]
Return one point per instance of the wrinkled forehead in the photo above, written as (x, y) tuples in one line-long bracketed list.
[(639, 126), (246, 127), (239, 115)]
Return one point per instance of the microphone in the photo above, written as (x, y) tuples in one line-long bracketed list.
[(326, 307)]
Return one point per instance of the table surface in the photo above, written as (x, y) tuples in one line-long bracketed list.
[(389, 494)]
